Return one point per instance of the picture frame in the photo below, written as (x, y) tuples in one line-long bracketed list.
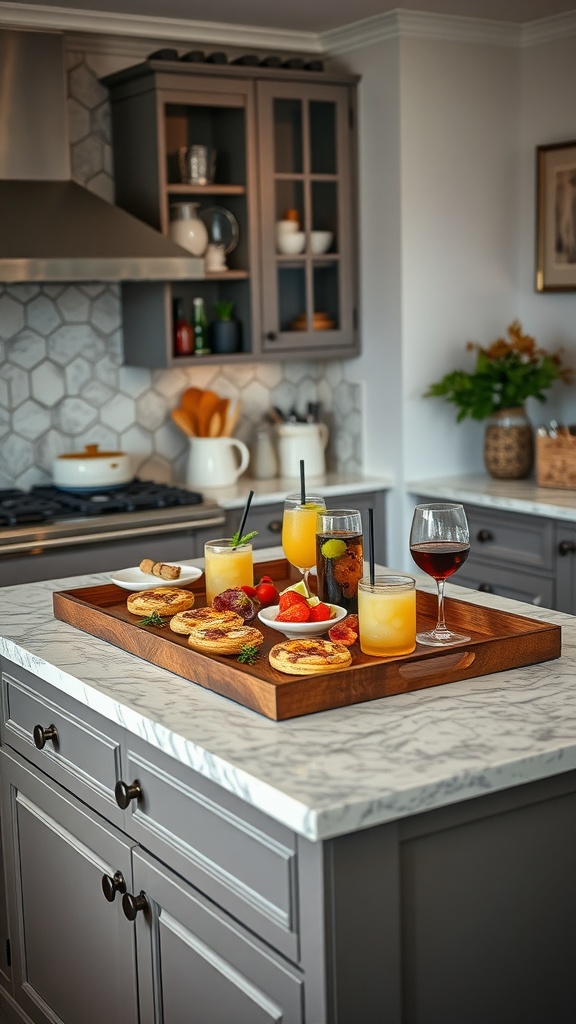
[(556, 217)]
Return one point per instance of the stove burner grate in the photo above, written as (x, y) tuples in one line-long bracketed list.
[(48, 503)]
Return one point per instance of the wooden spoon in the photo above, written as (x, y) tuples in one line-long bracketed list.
[(182, 420), (231, 420), (207, 405), (215, 425)]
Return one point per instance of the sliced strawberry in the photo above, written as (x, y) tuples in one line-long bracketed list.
[(289, 598), (320, 612), (299, 612)]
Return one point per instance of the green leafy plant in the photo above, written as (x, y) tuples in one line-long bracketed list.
[(224, 309), (506, 374)]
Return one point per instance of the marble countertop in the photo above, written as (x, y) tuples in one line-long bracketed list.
[(513, 495), (336, 771), (267, 491)]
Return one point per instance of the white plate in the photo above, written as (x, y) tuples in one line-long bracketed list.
[(304, 630), (135, 579)]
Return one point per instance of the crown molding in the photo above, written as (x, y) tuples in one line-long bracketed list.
[(548, 30), (418, 24), (66, 19)]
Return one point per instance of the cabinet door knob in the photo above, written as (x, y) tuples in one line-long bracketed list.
[(272, 336), (132, 904), (486, 588), (41, 736), (125, 792), (111, 884), (275, 526), (484, 536), (566, 547)]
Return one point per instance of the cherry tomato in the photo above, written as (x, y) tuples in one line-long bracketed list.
[(266, 592)]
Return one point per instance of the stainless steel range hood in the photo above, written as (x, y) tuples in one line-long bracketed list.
[(51, 228)]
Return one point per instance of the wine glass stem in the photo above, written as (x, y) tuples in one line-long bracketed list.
[(441, 624), (306, 573)]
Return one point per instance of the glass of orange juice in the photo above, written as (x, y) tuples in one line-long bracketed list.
[(226, 566), (299, 531), (387, 615)]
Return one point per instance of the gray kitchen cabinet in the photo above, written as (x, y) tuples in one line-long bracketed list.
[(283, 139), (463, 913), (565, 551), (267, 519)]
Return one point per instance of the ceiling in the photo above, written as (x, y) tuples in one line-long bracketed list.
[(303, 16)]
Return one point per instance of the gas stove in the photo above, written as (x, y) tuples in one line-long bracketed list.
[(69, 533), (47, 504)]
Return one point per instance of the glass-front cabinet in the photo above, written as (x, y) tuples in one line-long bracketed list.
[(260, 163), (307, 218)]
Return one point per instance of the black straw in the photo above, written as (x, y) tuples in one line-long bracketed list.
[(371, 544), (245, 515), (302, 484)]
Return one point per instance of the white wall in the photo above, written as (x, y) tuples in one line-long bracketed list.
[(452, 120)]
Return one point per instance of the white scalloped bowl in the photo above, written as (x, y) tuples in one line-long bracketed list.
[(300, 630)]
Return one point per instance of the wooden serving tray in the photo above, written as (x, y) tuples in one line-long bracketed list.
[(499, 641)]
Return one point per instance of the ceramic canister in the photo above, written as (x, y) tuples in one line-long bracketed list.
[(298, 441), (216, 461)]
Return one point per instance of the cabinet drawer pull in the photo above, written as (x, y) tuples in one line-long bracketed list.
[(111, 884), (484, 536), (486, 588), (272, 336), (566, 547), (132, 904), (275, 526), (41, 736), (125, 792)]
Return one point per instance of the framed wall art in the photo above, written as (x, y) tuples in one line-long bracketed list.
[(556, 217)]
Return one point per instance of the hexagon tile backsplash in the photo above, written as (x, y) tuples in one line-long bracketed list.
[(62, 380), (63, 385)]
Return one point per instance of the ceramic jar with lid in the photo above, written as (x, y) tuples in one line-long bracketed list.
[(186, 228)]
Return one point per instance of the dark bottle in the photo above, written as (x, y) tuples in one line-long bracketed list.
[(200, 328), (183, 333)]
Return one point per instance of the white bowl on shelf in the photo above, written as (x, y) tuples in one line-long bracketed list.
[(291, 243), (300, 630), (320, 241)]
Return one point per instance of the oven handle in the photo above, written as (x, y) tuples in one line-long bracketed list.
[(29, 547)]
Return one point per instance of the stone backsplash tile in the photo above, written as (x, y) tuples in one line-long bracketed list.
[(62, 380)]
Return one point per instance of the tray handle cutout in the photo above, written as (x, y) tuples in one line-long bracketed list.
[(452, 662)]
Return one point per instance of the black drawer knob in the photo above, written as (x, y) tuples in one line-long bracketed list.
[(275, 526), (132, 904), (486, 588), (125, 792), (484, 536), (111, 884), (272, 336), (41, 736), (566, 547)]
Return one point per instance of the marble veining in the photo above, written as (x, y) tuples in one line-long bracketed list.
[(511, 495), (332, 772)]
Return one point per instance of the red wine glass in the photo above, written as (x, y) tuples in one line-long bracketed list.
[(440, 544)]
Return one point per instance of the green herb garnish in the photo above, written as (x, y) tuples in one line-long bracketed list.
[(248, 654), (153, 620), (237, 540)]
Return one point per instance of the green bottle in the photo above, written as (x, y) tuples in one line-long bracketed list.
[(200, 326)]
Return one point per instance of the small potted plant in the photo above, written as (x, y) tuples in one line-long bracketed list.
[(506, 373), (225, 334)]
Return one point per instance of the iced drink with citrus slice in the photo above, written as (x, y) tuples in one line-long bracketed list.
[(339, 557), (299, 531), (387, 615), (227, 566)]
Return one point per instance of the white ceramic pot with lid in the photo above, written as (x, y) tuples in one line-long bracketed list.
[(91, 469), (302, 441)]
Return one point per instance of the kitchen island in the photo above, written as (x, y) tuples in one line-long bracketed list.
[(408, 859)]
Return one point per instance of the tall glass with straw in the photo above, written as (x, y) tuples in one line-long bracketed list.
[(299, 528), (228, 561)]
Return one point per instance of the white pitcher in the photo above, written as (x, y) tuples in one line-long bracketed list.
[(216, 461), (302, 441)]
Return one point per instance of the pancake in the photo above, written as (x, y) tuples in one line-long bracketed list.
[(306, 657), (224, 639), (163, 601), (189, 621)]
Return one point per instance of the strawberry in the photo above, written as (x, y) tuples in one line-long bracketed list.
[(289, 598), (299, 612), (320, 612)]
